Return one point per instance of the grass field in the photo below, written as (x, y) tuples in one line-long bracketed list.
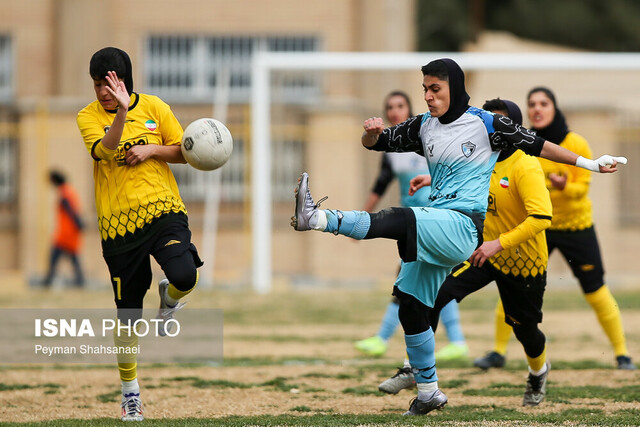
[(289, 360)]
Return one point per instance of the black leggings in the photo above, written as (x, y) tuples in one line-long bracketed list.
[(397, 224), (531, 338), (527, 332), (413, 315), (181, 271)]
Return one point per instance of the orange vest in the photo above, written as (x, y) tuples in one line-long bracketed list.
[(68, 235)]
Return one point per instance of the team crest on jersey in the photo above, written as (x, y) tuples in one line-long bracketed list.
[(504, 182), (468, 148), (106, 129)]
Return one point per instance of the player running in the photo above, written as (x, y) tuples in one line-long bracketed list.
[(132, 137), (461, 145)]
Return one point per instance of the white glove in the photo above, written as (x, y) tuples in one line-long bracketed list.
[(604, 161)]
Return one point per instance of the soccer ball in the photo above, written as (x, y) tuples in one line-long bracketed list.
[(207, 144)]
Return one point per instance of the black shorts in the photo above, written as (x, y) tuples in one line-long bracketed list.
[(131, 271), (582, 252), (521, 298)]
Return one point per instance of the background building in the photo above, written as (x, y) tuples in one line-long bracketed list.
[(182, 50)]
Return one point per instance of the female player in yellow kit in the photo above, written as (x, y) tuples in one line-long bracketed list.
[(131, 138), (572, 231)]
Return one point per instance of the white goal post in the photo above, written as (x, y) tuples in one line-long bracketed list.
[(265, 62)]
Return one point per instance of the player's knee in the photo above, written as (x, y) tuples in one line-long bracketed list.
[(412, 313), (183, 279), (529, 335)]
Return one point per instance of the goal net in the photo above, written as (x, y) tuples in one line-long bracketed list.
[(318, 130)]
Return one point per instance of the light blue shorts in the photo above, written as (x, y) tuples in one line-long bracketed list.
[(444, 239)]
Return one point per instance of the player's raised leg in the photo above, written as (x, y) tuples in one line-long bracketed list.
[(179, 260), (390, 223)]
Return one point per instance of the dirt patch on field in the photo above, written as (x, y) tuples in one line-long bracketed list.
[(273, 390), (306, 364)]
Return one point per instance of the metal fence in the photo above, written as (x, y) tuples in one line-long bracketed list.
[(186, 69)]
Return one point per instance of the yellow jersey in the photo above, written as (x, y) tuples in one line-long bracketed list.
[(129, 199), (571, 206), (519, 210)]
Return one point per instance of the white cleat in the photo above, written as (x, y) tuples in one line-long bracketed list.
[(131, 407), (166, 311)]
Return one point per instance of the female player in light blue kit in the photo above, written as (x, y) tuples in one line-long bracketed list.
[(403, 167), (461, 145)]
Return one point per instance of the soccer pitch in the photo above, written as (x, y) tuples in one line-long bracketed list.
[(289, 360)]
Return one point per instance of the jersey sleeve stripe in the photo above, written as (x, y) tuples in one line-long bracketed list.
[(541, 216), (93, 150)]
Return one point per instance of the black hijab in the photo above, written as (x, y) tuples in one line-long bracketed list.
[(128, 77), (514, 113), (112, 59), (459, 99), (557, 129)]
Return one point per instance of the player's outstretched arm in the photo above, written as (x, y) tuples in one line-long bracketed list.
[(603, 164)]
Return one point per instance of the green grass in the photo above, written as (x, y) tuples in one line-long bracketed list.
[(449, 384), (561, 300), (474, 414), (363, 391), (10, 387), (113, 396), (563, 394)]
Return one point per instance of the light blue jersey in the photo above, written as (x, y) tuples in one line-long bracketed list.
[(403, 167), (460, 155)]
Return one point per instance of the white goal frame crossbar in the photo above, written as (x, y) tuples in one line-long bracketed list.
[(264, 63)]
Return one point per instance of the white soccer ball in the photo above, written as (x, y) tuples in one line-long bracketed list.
[(207, 144)]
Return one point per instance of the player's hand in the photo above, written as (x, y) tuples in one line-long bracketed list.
[(373, 126), (118, 90), (607, 164), (603, 164), (140, 153), (558, 181), (484, 252), (417, 182)]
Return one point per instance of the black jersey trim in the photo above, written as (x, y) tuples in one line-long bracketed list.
[(541, 216), (131, 107), (93, 150)]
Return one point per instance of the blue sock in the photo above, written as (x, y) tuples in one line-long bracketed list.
[(390, 321), (421, 351), (354, 224), (450, 318)]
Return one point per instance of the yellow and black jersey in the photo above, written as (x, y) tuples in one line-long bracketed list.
[(519, 209), (130, 198), (571, 206)]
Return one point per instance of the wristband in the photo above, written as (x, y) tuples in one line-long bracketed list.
[(588, 164)]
